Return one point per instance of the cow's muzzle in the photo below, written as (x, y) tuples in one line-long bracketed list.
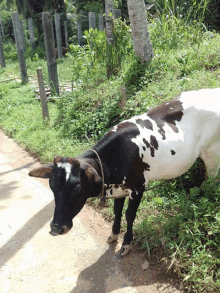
[(59, 230)]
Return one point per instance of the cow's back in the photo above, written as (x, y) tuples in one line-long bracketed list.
[(202, 112), (179, 131)]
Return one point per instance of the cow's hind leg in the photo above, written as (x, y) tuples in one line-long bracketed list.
[(130, 216), (211, 158), (118, 207)]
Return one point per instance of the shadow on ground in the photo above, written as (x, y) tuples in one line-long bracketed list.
[(26, 166), (112, 272), (25, 233)]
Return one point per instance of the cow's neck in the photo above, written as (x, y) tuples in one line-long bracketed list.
[(91, 158)]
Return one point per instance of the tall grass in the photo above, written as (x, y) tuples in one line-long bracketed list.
[(190, 11)]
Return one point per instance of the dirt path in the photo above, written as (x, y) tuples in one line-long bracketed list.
[(31, 260)]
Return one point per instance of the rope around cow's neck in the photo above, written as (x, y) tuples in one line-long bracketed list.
[(102, 172)]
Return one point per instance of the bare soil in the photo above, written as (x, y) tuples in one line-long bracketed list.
[(31, 260)]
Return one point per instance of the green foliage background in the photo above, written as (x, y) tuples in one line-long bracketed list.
[(178, 222)]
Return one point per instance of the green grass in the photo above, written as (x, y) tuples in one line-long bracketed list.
[(176, 223), (21, 118), (187, 224)]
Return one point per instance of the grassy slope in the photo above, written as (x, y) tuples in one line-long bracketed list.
[(181, 227)]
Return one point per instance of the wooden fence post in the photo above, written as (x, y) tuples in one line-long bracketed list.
[(2, 31), (18, 32), (31, 32), (109, 36), (79, 32), (43, 97), (117, 13), (66, 34), (2, 58), (101, 26), (58, 35), (92, 23), (50, 52)]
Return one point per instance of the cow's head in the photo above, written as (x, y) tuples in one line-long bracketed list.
[(72, 182)]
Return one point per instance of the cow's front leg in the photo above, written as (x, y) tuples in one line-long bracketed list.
[(118, 207), (130, 216)]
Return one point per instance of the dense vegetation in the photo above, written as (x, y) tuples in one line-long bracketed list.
[(179, 222)]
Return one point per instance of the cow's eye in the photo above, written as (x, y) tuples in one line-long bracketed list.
[(77, 188)]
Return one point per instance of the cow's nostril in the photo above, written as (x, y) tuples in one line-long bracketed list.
[(54, 224), (65, 229), (55, 230)]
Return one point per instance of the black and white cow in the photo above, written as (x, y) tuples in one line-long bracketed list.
[(160, 144)]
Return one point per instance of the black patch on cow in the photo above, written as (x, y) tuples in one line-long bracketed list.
[(124, 125), (152, 152), (111, 191), (146, 142), (122, 158), (144, 148), (116, 186), (147, 167), (153, 145), (132, 168), (154, 142), (172, 153), (167, 113), (142, 155), (145, 123)]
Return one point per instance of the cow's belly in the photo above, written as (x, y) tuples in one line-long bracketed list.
[(168, 170), (171, 160)]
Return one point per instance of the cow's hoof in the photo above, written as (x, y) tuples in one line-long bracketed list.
[(112, 238), (125, 249)]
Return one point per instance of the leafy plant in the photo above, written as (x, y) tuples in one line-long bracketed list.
[(97, 45), (98, 118), (188, 10), (121, 48)]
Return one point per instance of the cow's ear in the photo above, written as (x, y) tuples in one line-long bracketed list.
[(93, 176), (74, 162), (43, 171), (57, 159)]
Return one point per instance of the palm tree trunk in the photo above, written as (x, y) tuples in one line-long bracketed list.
[(139, 27)]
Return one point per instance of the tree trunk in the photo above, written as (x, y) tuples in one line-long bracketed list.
[(109, 35), (139, 27)]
